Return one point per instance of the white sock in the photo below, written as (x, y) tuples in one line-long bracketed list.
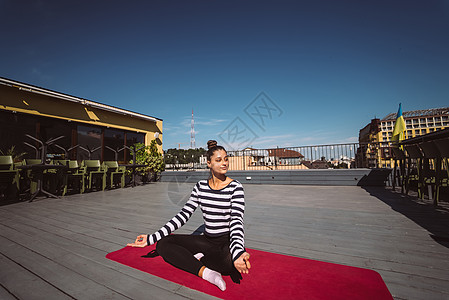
[(199, 256), (214, 278)]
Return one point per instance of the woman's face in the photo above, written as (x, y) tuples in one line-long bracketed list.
[(219, 162)]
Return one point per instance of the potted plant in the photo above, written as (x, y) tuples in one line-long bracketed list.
[(149, 156)]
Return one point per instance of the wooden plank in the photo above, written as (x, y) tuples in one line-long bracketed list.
[(91, 263), (72, 283), (14, 277), (6, 295), (110, 280), (91, 230)]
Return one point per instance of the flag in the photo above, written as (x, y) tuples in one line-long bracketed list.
[(399, 126)]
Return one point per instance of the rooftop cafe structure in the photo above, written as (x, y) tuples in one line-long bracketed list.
[(85, 129)]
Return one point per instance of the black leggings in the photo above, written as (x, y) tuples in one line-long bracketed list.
[(178, 250)]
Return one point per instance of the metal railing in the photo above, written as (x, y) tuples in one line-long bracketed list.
[(349, 155)]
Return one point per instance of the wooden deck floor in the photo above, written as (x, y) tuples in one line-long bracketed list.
[(55, 248)]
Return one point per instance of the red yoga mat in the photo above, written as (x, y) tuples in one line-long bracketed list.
[(272, 276)]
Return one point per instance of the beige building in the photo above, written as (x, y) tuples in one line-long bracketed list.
[(266, 159)]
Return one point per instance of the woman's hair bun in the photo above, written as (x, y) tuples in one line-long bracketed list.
[(211, 144)]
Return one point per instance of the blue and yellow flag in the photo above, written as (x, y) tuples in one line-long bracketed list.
[(399, 126)]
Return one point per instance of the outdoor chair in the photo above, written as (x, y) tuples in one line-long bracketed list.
[(414, 168), (30, 178), (399, 174), (443, 148), (74, 177), (431, 167), (56, 177), (62, 162), (9, 177), (114, 174), (95, 174)]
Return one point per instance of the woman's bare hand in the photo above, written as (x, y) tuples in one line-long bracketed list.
[(141, 241), (242, 263)]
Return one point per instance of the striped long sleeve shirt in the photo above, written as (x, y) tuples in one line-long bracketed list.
[(222, 210)]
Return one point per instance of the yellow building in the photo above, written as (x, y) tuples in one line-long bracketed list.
[(418, 122), (88, 128), (369, 153), (377, 135)]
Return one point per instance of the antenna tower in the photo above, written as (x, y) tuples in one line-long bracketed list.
[(192, 133)]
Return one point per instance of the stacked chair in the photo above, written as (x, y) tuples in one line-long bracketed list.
[(114, 174), (443, 148), (9, 177), (399, 161), (58, 177), (414, 168), (427, 164), (431, 168), (95, 174), (30, 178), (73, 177)]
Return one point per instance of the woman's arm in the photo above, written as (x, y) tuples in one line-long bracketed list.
[(175, 223), (237, 246)]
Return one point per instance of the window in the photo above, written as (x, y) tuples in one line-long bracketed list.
[(114, 139), (89, 141), (134, 137), (131, 139), (14, 126), (50, 128)]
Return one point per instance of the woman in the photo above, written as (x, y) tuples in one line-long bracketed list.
[(221, 250)]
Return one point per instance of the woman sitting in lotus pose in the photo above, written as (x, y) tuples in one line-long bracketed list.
[(221, 250)]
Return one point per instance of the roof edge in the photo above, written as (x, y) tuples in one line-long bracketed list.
[(66, 97)]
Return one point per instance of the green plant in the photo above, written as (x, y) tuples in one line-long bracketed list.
[(149, 156), (12, 152)]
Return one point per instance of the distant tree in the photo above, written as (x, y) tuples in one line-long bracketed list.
[(183, 156)]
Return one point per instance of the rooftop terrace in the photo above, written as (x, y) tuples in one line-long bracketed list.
[(55, 248)]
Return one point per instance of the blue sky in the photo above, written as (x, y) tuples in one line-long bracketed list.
[(280, 73)]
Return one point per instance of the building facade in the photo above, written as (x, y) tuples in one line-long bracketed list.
[(86, 129), (266, 159), (375, 138)]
